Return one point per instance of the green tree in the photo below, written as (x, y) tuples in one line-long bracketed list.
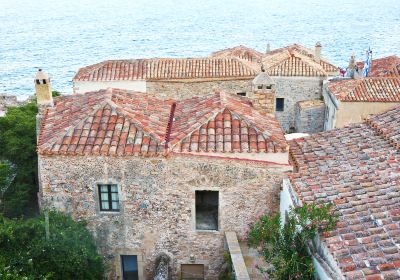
[(55, 93), (18, 148), (286, 247), (69, 252)]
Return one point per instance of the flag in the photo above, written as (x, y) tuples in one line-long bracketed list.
[(367, 63)]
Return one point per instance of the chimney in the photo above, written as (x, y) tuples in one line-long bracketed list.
[(318, 48), (268, 48), (43, 89), (263, 92)]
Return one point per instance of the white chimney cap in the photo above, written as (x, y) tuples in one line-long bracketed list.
[(41, 75)]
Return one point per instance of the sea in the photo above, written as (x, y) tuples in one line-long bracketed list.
[(60, 36)]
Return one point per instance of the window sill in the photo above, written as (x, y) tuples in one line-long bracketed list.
[(207, 231), (109, 212)]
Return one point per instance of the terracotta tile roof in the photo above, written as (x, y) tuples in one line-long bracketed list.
[(121, 122), (225, 123), (387, 125), (371, 89), (383, 67), (241, 52), (296, 50), (292, 64), (357, 168), (165, 69)]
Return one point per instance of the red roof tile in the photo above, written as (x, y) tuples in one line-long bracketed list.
[(371, 89), (241, 52), (307, 55), (383, 67), (165, 68), (357, 168), (224, 123), (293, 60), (121, 122)]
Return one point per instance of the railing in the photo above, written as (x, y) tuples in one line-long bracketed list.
[(238, 264)]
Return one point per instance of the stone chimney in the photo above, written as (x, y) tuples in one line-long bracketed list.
[(43, 89), (263, 92), (318, 48), (268, 48)]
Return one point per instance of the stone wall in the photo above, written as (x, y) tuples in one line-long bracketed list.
[(157, 199), (295, 89), (183, 90), (309, 116), (264, 100)]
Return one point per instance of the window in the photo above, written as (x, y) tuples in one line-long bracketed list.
[(38, 82), (259, 87), (280, 104), (192, 271), (206, 210), (269, 87), (108, 198), (129, 267), (241, 93)]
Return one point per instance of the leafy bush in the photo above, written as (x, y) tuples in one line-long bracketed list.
[(285, 246), (18, 149), (68, 253)]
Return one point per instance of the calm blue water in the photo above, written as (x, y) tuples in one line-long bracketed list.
[(62, 35)]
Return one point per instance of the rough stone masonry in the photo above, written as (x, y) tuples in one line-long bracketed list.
[(157, 202)]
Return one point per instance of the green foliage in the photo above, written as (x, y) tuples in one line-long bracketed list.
[(285, 247), (55, 93), (69, 253), (227, 269), (18, 149)]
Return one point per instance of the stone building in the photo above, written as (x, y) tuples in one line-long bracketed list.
[(176, 78), (309, 116), (297, 74), (160, 178), (352, 100), (297, 71), (355, 168)]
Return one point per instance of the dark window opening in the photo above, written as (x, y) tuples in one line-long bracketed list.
[(241, 93), (192, 271), (129, 268), (108, 198), (269, 87), (44, 82), (259, 87), (38, 81), (280, 104), (207, 210)]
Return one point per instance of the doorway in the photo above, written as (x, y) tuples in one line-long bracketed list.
[(129, 267)]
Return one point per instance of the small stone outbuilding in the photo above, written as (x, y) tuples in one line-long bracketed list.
[(160, 178)]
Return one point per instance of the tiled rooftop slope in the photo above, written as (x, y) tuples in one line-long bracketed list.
[(165, 68), (371, 89), (357, 168), (292, 60), (384, 67), (232, 63), (121, 122)]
